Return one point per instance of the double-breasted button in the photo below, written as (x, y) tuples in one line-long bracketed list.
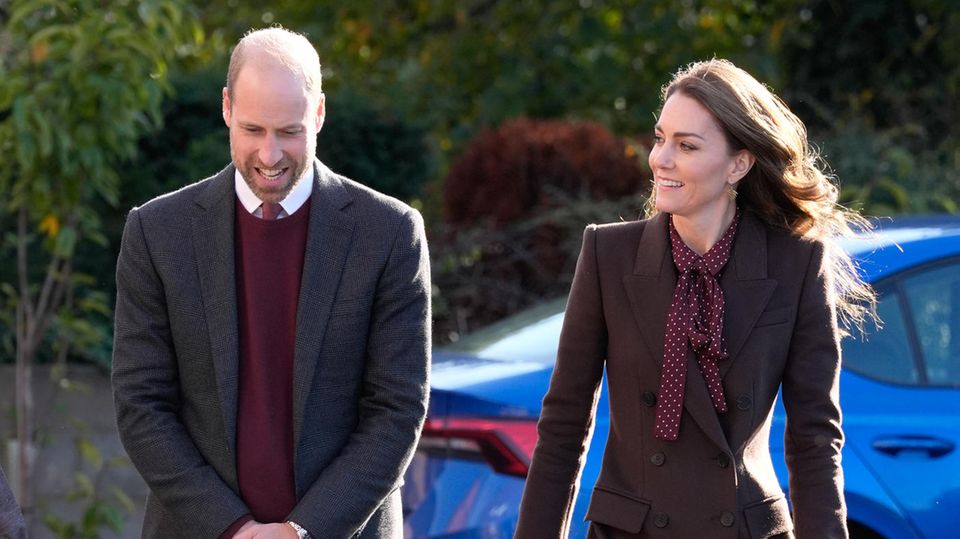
[(744, 402), (727, 519), (661, 520), (723, 460), (658, 459), (650, 398)]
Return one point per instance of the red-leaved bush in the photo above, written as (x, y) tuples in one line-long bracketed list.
[(508, 173), (515, 204)]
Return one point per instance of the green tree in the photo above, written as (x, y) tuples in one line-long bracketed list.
[(82, 80)]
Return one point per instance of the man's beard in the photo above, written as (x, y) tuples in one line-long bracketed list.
[(296, 171)]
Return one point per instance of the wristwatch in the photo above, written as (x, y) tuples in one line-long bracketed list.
[(302, 533)]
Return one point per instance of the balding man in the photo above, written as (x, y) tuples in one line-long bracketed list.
[(272, 328)]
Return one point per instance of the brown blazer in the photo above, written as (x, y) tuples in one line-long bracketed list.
[(717, 480)]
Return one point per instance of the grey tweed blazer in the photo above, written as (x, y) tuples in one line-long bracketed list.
[(360, 367), (11, 519)]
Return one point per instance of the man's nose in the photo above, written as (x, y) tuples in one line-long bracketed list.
[(270, 152)]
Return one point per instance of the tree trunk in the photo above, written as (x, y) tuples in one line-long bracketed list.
[(25, 407)]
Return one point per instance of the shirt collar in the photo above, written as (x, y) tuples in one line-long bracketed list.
[(291, 203)]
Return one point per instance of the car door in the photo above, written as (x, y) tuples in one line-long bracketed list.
[(902, 406)]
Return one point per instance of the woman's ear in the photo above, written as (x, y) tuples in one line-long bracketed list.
[(743, 161)]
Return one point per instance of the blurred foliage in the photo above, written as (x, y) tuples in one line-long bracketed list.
[(82, 82), (375, 146), (410, 85), (103, 506), (461, 66), (504, 174), (515, 203), (482, 274), (889, 69), (883, 103)]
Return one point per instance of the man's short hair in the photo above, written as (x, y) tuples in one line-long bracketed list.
[(290, 49)]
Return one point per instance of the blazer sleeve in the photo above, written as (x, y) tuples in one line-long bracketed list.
[(146, 396), (394, 397), (567, 416), (813, 437)]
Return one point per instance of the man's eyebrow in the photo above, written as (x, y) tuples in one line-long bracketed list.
[(680, 134), (288, 127)]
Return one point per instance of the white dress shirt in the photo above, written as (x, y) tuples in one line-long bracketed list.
[(291, 203)]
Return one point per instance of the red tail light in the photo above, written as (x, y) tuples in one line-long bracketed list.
[(506, 445)]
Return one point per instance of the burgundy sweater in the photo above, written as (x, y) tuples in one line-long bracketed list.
[(269, 264)]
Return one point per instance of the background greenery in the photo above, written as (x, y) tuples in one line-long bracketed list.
[(410, 84)]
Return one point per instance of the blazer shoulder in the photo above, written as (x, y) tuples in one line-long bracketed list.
[(784, 244), (180, 200), (621, 228), (373, 205), (618, 234)]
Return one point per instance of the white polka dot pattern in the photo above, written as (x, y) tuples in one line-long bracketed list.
[(695, 319)]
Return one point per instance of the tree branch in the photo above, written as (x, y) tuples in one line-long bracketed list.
[(22, 267)]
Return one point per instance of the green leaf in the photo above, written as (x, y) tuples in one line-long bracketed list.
[(66, 242), (90, 453), (84, 484), (124, 499)]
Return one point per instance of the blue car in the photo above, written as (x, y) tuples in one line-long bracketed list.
[(900, 394)]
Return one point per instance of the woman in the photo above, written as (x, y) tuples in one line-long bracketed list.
[(730, 290)]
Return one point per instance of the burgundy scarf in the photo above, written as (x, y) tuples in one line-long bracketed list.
[(695, 320)]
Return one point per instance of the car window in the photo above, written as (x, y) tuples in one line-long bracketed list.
[(885, 354), (934, 298)]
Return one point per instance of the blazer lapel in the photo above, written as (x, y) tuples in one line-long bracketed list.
[(747, 290), (213, 240), (329, 237), (650, 287)]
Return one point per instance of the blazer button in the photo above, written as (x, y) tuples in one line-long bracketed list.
[(727, 519), (650, 398), (744, 402), (658, 459), (661, 520), (723, 460)]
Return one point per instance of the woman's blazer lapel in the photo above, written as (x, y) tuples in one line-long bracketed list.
[(746, 288)]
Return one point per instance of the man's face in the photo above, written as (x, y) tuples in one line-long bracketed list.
[(273, 128)]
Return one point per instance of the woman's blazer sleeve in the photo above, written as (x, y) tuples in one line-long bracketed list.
[(811, 396), (566, 420)]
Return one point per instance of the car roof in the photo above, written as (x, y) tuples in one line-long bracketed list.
[(904, 242)]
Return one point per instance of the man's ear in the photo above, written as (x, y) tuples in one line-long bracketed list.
[(226, 107), (321, 110), (743, 161)]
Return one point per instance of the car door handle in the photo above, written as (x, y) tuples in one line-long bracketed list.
[(933, 447)]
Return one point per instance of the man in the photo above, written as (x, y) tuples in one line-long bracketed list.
[(12, 525), (272, 328)]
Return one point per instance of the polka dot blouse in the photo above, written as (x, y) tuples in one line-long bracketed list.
[(694, 321)]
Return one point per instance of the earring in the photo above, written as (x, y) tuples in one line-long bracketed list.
[(731, 192)]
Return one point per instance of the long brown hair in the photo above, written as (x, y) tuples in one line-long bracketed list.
[(787, 186)]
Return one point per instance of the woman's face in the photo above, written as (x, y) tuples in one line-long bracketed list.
[(691, 162)]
